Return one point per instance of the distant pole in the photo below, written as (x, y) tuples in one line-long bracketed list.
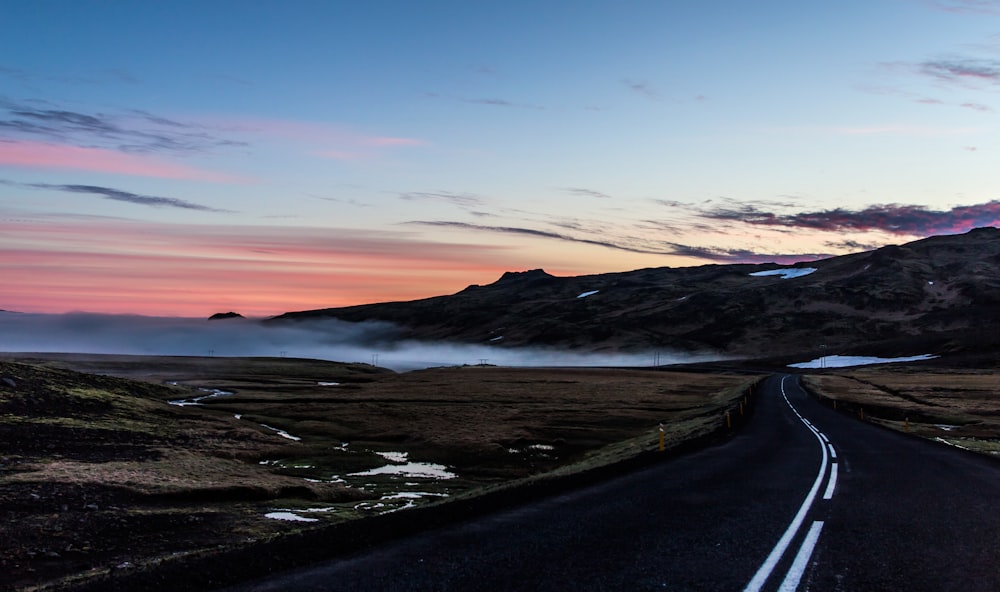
[(374, 359), (482, 361), (211, 353), (662, 447), (283, 353)]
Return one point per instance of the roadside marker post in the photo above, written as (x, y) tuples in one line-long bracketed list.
[(906, 428), (662, 447), (729, 421)]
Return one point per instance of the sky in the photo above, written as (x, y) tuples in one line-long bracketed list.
[(185, 158)]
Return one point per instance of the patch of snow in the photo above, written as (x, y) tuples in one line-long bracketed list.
[(946, 427), (542, 447), (943, 441), (412, 495), (929, 283), (399, 457), (238, 415), (411, 469), (497, 338), (281, 433), (289, 516), (846, 361), (328, 383), (786, 273), (590, 293)]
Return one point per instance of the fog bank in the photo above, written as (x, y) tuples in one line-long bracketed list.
[(328, 339)]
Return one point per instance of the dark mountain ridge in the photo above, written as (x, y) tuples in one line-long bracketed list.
[(941, 292)]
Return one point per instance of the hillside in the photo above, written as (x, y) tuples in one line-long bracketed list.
[(938, 293)]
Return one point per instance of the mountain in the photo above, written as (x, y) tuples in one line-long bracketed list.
[(940, 293)]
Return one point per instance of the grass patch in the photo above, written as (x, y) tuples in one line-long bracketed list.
[(958, 407)]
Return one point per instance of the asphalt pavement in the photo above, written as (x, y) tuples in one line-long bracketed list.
[(802, 497)]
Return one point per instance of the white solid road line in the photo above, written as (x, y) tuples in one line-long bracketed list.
[(798, 568), (832, 483), (779, 549)]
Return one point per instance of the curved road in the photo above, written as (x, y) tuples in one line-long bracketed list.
[(801, 498)]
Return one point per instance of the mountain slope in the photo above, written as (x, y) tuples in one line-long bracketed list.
[(940, 292)]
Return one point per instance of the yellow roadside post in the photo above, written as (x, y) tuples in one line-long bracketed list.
[(741, 408), (906, 428), (729, 421), (835, 404), (662, 447)]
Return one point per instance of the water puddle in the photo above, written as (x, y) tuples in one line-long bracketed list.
[(410, 469), (281, 432), (289, 516), (212, 393)]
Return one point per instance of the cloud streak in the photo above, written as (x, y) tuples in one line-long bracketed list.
[(464, 200), (135, 132), (643, 88), (42, 155), (118, 195), (963, 70), (582, 192), (639, 246), (899, 219)]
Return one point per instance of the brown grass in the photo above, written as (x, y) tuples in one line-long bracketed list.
[(959, 407), (88, 454)]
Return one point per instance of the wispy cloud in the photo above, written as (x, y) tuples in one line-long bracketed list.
[(582, 192), (321, 139), (536, 233), (912, 220), (495, 102), (131, 131), (963, 70), (977, 107), (726, 255), (642, 87), (45, 155), (639, 246), (465, 200), (117, 195), (967, 6)]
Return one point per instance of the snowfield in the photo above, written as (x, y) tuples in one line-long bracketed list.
[(786, 273)]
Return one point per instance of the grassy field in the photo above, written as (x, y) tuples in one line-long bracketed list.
[(960, 407), (99, 471)]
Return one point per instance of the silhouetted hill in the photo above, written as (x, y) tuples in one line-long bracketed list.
[(225, 315), (941, 293)]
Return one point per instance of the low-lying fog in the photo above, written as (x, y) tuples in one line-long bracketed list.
[(369, 342)]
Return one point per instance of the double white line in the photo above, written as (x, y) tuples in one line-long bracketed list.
[(794, 575)]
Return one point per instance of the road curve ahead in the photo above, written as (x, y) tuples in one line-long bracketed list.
[(801, 498)]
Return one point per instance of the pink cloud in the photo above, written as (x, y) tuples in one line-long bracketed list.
[(111, 266), (322, 139), (31, 154)]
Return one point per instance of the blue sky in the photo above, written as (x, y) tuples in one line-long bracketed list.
[(183, 157)]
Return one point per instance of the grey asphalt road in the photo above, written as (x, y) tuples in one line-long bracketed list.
[(801, 498)]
